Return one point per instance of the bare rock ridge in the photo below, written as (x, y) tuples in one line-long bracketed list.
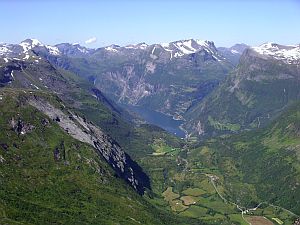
[(86, 132)]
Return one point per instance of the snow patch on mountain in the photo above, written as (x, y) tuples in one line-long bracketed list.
[(204, 43), (26, 57), (29, 44), (36, 42), (143, 46), (185, 47), (82, 49), (287, 53), (181, 48), (53, 50), (33, 43), (111, 49), (234, 51), (4, 50), (153, 50)]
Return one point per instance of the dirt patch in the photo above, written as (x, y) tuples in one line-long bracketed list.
[(169, 195), (258, 220), (189, 200)]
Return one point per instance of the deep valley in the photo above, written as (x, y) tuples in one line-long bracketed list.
[(176, 133)]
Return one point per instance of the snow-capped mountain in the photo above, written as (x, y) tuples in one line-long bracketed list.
[(176, 49), (29, 44), (141, 46), (5, 49), (26, 50), (287, 53), (29, 48), (185, 47), (113, 48)]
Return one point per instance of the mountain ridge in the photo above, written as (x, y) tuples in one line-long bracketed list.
[(260, 87), (185, 46)]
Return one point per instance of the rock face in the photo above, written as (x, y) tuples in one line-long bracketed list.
[(40, 76), (88, 133), (297, 222), (266, 80), (20, 127), (7, 72)]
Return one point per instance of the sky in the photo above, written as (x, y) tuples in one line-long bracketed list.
[(101, 23)]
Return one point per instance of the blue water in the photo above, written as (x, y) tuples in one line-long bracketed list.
[(158, 119)]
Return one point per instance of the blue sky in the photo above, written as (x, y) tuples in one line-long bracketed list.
[(152, 21)]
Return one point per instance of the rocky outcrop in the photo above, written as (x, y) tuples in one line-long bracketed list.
[(7, 72), (106, 147), (20, 127), (297, 222)]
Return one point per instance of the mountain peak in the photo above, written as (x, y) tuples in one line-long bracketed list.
[(190, 42), (287, 53), (29, 44), (74, 49), (238, 48), (142, 46), (189, 46), (205, 43), (112, 48), (32, 42)]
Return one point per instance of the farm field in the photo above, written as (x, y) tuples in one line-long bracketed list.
[(258, 220)]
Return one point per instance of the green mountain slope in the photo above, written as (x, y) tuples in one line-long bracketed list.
[(215, 180), (254, 93), (48, 177), (30, 78), (83, 98), (266, 160)]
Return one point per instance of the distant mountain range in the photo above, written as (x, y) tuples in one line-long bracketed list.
[(174, 49), (167, 78), (174, 78)]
